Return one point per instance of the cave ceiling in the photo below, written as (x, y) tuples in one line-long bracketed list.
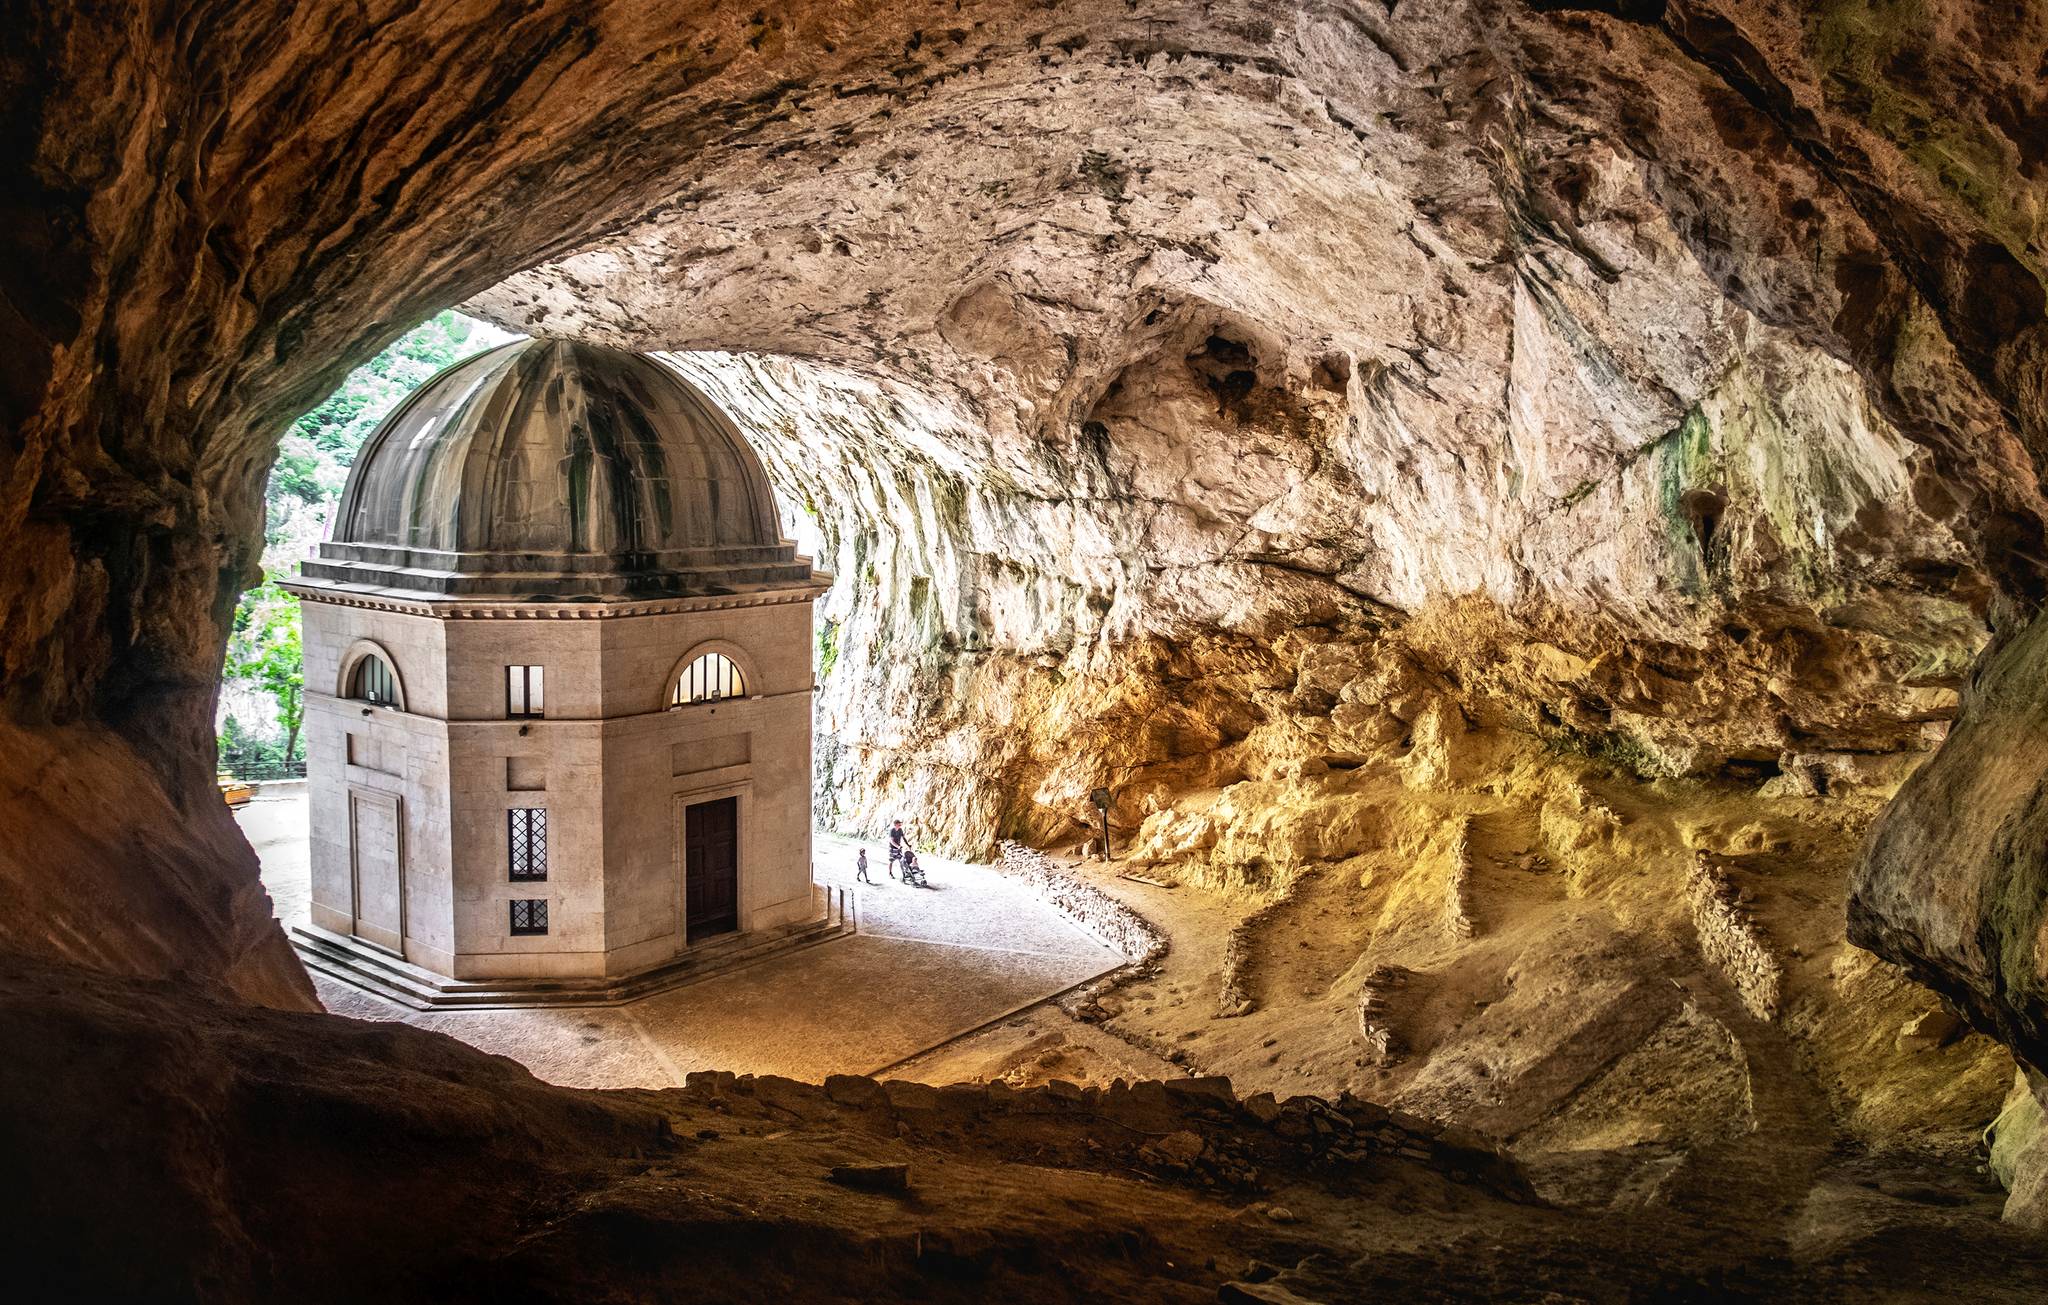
[(1318, 315), (1363, 305), (1484, 255)]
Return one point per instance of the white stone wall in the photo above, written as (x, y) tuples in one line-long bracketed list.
[(569, 649), (569, 756), (399, 753), (415, 644), (609, 762), (774, 647)]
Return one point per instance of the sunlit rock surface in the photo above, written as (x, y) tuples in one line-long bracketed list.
[(1337, 320)]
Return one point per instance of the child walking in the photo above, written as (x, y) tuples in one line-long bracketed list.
[(861, 868)]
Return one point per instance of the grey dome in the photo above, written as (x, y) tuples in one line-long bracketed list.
[(557, 470)]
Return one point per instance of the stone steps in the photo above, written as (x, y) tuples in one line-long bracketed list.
[(348, 960)]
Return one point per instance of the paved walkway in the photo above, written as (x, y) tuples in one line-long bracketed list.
[(925, 966)]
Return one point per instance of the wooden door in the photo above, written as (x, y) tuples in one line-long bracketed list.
[(374, 864), (711, 861)]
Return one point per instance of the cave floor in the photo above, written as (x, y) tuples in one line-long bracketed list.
[(925, 967)]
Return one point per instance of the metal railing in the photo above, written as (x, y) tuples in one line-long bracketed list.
[(259, 769)]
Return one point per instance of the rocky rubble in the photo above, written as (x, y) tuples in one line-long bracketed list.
[(1084, 904), (677, 1168), (1729, 937), (1190, 1129), (321, 1159), (1375, 991)]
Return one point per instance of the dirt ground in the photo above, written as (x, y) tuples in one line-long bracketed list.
[(474, 1181), (1518, 958)]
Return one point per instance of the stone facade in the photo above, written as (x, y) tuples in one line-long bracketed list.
[(612, 764), (585, 512)]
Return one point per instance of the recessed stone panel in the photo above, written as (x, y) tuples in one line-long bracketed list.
[(695, 755), (526, 774)]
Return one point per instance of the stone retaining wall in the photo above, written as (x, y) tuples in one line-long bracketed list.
[(1238, 950), (1457, 918), (1730, 938), (1381, 1046), (1192, 1130), (1083, 903)]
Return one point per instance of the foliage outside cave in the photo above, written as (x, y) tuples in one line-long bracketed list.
[(263, 679)]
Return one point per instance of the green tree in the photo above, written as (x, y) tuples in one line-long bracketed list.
[(232, 741), (265, 650), (345, 420)]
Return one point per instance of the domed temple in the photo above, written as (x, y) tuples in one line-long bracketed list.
[(558, 691)]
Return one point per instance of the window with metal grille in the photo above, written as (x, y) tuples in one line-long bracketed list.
[(523, 691), (529, 842), (529, 915), (710, 678), (373, 681)]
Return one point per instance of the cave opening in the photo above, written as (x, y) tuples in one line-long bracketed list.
[(1199, 421)]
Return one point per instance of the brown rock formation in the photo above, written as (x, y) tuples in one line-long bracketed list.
[(1954, 885), (1360, 309), (221, 1152), (1187, 397)]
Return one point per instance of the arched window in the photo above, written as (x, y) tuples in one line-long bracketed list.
[(374, 682), (710, 678)]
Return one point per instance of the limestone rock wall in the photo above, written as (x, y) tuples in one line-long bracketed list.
[(1662, 406), (2019, 1152), (1675, 370), (1954, 883)]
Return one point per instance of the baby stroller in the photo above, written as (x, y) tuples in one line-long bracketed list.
[(913, 873)]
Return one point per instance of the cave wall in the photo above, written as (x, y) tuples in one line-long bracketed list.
[(1666, 383), (1600, 325), (1700, 342), (1955, 883)]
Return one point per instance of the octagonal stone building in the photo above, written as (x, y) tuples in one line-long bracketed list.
[(558, 692)]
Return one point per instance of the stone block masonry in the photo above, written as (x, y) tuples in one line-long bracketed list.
[(1238, 950), (1381, 1046), (1730, 938), (1457, 918), (1084, 904)]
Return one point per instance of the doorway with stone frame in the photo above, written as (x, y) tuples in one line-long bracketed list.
[(377, 868), (711, 847)]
